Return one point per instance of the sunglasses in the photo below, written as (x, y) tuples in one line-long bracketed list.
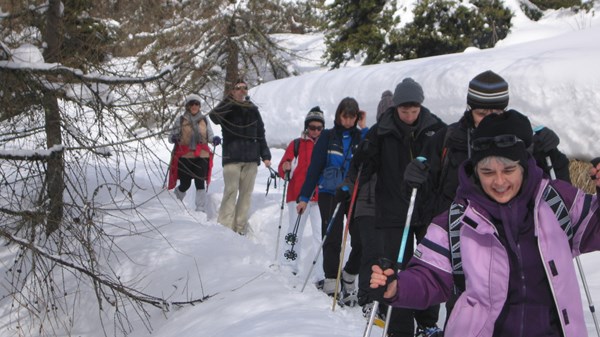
[(240, 87), (502, 141), (315, 128), (194, 103)]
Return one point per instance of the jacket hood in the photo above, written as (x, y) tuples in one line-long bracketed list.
[(389, 122), (470, 189)]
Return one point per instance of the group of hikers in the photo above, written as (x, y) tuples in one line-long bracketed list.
[(487, 199)]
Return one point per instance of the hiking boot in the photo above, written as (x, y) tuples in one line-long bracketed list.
[(431, 331), (349, 293), (180, 195), (200, 200), (329, 286), (366, 310), (349, 299), (348, 282)]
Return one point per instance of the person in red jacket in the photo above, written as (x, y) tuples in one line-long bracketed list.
[(293, 166)]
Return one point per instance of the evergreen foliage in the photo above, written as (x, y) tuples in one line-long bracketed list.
[(358, 28), (446, 26), (556, 4)]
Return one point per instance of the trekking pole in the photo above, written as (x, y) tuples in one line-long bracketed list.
[(345, 237), (371, 320), (411, 207), (165, 183), (337, 208), (292, 239), (211, 156), (577, 260), (285, 181)]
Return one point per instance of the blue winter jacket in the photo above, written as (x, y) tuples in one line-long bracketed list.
[(334, 148)]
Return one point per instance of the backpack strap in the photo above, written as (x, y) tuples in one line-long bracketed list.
[(444, 157), (559, 208), (455, 217), (296, 147), (455, 214)]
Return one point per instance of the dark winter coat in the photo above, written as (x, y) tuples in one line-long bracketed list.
[(365, 197), (243, 132), (392, 145), (516, 258), (448, 149)]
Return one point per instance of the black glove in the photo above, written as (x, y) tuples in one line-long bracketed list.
[(342, 193), (416, 173), (544, 141), (175, 138), (363, 152), (377, 293), (286, 175), (216, 140)]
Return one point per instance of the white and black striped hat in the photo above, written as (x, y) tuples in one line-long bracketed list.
[(315, 114), (488, 91)]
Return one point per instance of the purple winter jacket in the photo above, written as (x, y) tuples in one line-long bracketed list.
[(518, 262)]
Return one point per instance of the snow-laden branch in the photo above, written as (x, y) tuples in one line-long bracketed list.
[(57, 69), (115, 286), (38, 154)]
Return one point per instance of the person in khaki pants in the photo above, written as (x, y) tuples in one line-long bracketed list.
[(244, 146)]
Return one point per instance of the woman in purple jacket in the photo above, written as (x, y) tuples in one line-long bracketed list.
[(517, 234)]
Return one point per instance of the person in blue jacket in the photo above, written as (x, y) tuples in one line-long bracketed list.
[(329, 164)]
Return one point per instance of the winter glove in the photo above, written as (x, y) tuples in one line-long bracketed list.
[(342, 193), (216, 140), (544, 141), (175, 138), (377, 293), (416, 172), (363, 152)]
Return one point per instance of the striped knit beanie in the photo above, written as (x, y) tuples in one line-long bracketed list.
[(487, 91), (315, 114)]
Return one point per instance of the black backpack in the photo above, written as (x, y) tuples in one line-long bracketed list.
[(296, 147)]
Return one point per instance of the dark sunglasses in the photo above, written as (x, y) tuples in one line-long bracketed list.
[(240, 87), (194, 103), (315, 128), (502, 141)]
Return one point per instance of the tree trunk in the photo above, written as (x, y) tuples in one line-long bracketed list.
[(55, 184), (231, 68)]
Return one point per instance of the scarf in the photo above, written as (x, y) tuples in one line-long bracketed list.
[(195, 120)]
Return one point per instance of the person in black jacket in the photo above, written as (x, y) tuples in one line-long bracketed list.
[(244, 146), (487, 94), (390, 145)]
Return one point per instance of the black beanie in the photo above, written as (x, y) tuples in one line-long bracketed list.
[(509, 123), (408, 91), (488, 91), (315, 114)]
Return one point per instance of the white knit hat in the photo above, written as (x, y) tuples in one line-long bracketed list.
[(191, 98)]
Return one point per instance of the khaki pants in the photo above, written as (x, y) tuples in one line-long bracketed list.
[(238, 177)]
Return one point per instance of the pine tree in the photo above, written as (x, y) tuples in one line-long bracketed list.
[(446, 26), (358, 28)]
